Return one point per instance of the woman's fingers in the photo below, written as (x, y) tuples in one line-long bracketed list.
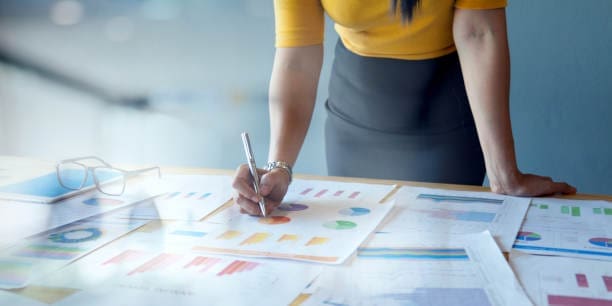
[(247, 206), (243, 183)]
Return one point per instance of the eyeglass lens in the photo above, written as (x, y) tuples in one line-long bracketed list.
[(72, 175), (110, 181)]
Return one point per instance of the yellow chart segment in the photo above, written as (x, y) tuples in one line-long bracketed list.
[(255, 238), (228, 235), (317, 241), (288, 237)]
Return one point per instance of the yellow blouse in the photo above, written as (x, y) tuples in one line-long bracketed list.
[(369, 28)]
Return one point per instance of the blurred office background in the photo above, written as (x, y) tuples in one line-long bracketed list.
[(175, 82)]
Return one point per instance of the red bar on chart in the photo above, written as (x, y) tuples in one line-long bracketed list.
[(195, 262), (608, 282), (124, 256), (230, 268), (159, 262), (582, 281), (320, 193), (354, 195), (204, 262), (306, 191), (560, 300), (209, 263), (338, 193), (250, 266)]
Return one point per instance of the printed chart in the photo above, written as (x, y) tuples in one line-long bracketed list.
[(457, 212), (130, 275), (557, 281), (46, 252), (43, 217), (189, 198), (567, 227), (401, 269), (319, 221)]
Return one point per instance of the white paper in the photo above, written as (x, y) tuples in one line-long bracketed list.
[(125, 274), (571, 228), (564, 281), (187, 197), (318, 221), (42, 217), (422, 269), (37, 256), (457, 212)]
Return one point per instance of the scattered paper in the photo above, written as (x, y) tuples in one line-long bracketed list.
[(457, 212), (571, 228), (422, 269), (562, 281)]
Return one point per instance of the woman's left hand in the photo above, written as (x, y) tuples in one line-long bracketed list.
[(530, 185)]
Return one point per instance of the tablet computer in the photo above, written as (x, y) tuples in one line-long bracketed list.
[(44, 189)]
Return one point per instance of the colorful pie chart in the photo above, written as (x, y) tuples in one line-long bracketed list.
[(274, 220), (602, 242), (76, 235), (340, 224), (528, 236), (354, 211), (292, 207)]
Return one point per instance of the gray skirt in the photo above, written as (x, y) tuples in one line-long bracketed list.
[(401, 119)]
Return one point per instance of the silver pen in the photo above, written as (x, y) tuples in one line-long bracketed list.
[(246, 142)]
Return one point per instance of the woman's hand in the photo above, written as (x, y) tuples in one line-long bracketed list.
[(272, 187), (529, 185)]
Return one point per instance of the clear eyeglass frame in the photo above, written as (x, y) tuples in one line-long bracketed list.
[(119, 182)]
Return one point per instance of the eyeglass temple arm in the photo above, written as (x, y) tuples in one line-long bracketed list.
[(86, 157)]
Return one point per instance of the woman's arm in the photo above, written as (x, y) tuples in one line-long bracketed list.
[(292, 95), (482, 45)]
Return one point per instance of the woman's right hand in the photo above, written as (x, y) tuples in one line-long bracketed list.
[(272, 187)]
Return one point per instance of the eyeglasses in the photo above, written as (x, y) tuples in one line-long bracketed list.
[(74, 174)]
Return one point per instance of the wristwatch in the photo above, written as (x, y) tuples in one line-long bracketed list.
[(276, 164)]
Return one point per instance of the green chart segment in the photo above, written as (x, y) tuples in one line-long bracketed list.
[(602, 211), (573, 210)]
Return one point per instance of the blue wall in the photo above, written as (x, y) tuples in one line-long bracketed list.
[(561, 96)]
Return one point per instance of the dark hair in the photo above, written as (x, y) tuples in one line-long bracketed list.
[(407, 8)]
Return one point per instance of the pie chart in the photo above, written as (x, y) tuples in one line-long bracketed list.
[(76, 235), (274, 220), (354, 211), (340, 224), (602, 242), (292, 207), (528, 236)]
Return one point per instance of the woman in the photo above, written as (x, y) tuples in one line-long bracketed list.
[(419, 91)]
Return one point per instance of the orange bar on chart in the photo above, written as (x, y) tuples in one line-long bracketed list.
[(288, 237), (255, 238), (317, 241), (229, 235)]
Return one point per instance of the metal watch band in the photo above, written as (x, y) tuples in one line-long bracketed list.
[(280, 165)]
